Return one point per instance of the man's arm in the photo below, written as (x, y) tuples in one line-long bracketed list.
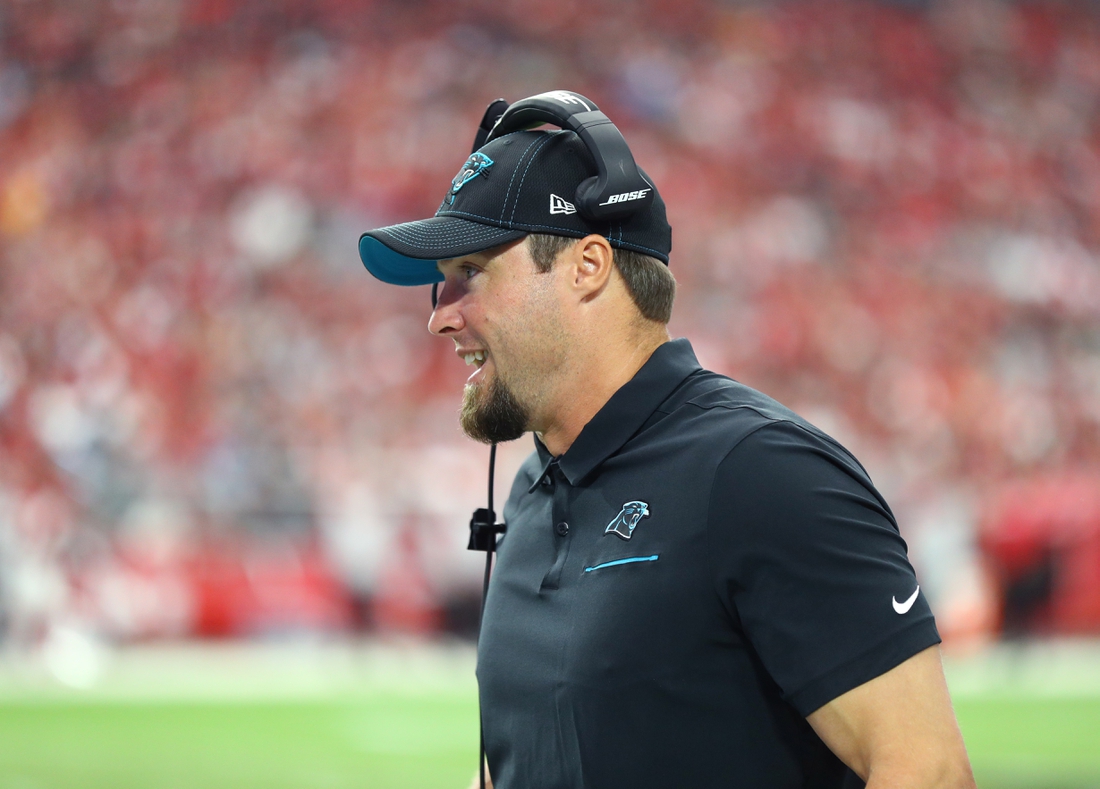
[(476, 783), (898, 730)]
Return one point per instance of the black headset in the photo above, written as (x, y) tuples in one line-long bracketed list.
[(599, 198)]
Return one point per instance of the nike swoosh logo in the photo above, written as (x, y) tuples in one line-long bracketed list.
[(903, 608)]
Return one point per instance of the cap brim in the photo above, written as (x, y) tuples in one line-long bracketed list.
[(406, 254)]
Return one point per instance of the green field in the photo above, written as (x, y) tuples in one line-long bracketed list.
[(387, 742), (1032, 742), (406, 742), (393, 724)]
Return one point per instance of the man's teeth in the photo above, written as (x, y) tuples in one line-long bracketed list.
[(476, 356)]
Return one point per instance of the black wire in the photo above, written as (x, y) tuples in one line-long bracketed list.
[(492, 473), (484, 594)]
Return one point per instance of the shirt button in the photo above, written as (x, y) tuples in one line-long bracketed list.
[(562, 529)]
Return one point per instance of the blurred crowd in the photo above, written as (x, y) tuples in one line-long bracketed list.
[(214, 422)]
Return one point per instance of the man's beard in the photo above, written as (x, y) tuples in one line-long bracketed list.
[(493, 415)]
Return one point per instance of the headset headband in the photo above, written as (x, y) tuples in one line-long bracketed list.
[(618, 189)]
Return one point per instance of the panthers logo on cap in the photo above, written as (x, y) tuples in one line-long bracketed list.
[(477, 164), (627, 519)]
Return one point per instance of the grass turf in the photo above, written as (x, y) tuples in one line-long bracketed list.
[(411, 740), (386, 742), (1028, 743)]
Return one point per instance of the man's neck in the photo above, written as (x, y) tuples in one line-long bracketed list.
[(590, 387)]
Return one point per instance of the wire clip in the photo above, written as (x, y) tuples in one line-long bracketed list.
[(484, 530)]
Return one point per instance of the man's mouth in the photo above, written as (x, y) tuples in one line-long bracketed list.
[(477, 358)]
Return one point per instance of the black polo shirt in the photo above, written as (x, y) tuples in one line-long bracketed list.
[(674, 594)]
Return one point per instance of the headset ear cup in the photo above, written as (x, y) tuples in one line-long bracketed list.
[(588, 196), (596, 200)]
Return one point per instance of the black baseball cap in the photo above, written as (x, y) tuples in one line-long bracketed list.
[(521, 183)]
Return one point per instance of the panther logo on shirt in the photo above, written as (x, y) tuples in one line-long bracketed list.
[(627, 519)]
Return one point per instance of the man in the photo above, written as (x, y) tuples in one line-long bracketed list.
[(696, 588)]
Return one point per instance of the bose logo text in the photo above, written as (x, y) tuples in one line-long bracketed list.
[(626, 197)]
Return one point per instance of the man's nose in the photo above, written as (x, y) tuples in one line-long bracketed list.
[(446, 317)]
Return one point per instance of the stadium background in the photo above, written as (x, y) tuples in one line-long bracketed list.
[(224, 447)]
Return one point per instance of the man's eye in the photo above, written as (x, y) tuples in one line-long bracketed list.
[(468, 271)]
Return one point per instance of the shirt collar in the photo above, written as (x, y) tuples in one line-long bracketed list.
[(624, 413)]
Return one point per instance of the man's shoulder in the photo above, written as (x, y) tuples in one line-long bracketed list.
[(722, 397), (721, 411)]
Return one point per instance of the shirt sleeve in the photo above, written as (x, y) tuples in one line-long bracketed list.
[(809, 560)]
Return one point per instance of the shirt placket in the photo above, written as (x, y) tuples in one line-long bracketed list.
[(559, 524)]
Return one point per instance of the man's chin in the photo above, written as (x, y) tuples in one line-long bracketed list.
[(491, 414)]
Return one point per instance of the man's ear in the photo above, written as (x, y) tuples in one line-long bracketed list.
[(591, 264)]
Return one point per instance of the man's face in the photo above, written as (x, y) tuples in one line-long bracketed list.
[(505, 319)]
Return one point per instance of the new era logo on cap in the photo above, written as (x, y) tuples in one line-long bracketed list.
[(559, 205)]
